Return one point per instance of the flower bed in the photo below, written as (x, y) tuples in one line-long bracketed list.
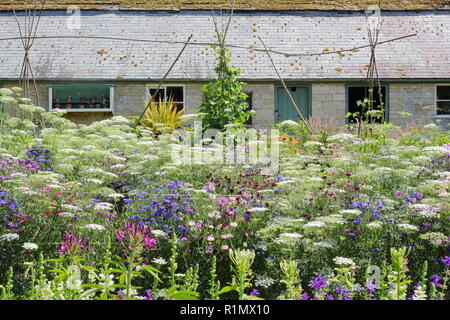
[(99, 212)]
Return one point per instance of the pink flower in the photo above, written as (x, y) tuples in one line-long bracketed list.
[(225, 247), (120, 235), (210, 250), (148, 243), (210, 238)]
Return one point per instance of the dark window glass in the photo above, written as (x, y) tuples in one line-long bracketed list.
[(176, 93), (356, 94), (179, 106), (159, 96), (81, 97), (443, 92), (443, 108)]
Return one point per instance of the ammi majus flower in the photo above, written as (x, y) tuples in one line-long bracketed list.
[(341, 261)]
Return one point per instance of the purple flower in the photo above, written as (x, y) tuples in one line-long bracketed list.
[(127, 201), (370, 288), (255, 293), (408, 198), (446, 261), (318, 283), (436, 280), (344, 293), (357, 220), (149, 295), (304, 296)]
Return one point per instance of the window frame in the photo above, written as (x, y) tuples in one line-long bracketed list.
[(111, 99), (164, 86), (359, 84), (442, 116)]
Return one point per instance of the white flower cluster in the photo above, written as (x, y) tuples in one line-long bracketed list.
[(9, 237), (158, 233), (30, 246), (159, 261), (257, 209), (312, 143), (407, 227), (264, 282), (344, 261), (314, 224), (341, 137), (104, 206), (374, 225), (93, 226), (350, 212), (260, 246)]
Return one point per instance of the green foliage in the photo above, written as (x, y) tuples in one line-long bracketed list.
[(163, 117), (242, 261), (291, 279), (224, 102)]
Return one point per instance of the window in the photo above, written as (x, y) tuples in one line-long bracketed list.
[(443, 100), (81, 97), (175, 92), (358, 93)]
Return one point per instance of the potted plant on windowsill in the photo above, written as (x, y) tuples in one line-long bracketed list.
[(82, 103), (69, 102)]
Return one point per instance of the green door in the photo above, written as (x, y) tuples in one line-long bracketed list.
[(285, 110)]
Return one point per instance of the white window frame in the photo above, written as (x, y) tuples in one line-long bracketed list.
[(164, 87), (110, 109), (437, 100)]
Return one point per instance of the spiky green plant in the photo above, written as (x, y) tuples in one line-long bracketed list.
[(163, 117)]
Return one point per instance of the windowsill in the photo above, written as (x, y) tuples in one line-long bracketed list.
[(84, 110)]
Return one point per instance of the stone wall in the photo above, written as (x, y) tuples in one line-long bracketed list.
[(415, 98), (328, 102)]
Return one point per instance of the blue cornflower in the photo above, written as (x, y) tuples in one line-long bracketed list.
[(357, 220)]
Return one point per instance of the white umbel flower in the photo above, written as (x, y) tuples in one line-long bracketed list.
[(344, 261), (257, 209), (30, 246), (93, 226), (315, 224), (9, 237), (159, 261)]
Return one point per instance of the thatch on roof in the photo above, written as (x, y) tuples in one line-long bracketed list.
[(239, 4)]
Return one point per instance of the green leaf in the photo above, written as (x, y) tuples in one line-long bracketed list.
[(225, 290)]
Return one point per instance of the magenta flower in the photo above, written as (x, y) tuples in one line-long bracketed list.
[(134, 235), (73, 244)]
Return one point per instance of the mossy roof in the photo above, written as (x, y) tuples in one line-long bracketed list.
[(240, 4)]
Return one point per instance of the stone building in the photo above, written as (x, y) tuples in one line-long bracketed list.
[(94, 65)]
